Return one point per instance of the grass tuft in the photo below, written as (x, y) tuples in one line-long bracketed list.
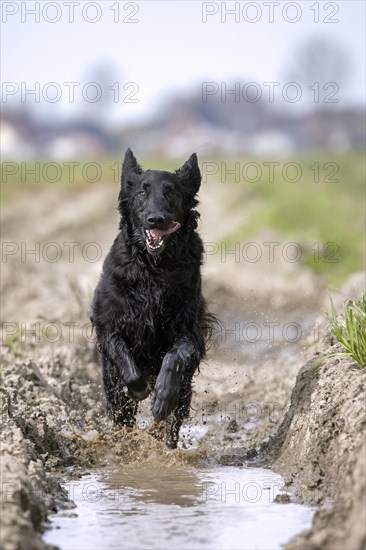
[(349, 327)]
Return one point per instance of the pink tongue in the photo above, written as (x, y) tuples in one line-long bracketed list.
[(157, 233)]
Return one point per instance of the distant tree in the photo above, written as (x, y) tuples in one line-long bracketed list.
[(321, 68), (319, 60)]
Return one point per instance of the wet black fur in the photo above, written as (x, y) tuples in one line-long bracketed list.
[(148, 311)]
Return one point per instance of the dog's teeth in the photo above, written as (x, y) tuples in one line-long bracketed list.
[(151, 243)]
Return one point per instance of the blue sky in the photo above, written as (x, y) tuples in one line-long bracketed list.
[(170, 48)]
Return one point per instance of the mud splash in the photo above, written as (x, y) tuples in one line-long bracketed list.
[(142, 495)]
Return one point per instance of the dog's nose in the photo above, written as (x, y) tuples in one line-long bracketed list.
[(156, 219)]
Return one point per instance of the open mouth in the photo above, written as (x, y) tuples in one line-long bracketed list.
[(155, 237)]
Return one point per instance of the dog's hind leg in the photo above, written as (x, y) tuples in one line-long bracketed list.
[(121, 407)]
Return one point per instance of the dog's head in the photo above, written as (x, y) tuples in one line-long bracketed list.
[(157, 204)]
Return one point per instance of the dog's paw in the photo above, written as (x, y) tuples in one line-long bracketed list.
[(166, 395), (138, 388)]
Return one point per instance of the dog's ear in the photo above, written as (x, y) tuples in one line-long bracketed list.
[(130, 166), (190, 174)]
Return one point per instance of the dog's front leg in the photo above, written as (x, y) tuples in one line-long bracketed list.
[(116, 350), (167, 386)]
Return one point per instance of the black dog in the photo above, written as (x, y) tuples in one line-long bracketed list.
[(148, 311)]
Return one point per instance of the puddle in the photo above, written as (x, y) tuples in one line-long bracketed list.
[(174, 507)]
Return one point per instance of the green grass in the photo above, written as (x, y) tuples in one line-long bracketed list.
[(349, 328), (326, 218), (13, 340)]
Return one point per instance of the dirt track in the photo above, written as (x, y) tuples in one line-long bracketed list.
[(53, 415)]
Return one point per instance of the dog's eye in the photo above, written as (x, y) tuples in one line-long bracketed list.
[(144, 191), (168, 192)]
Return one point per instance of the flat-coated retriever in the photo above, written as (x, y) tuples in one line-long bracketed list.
[(148, 311)]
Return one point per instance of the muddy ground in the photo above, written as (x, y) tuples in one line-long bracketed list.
[(260, 405)]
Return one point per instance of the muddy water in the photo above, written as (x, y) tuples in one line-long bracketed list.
[(160, 507)]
